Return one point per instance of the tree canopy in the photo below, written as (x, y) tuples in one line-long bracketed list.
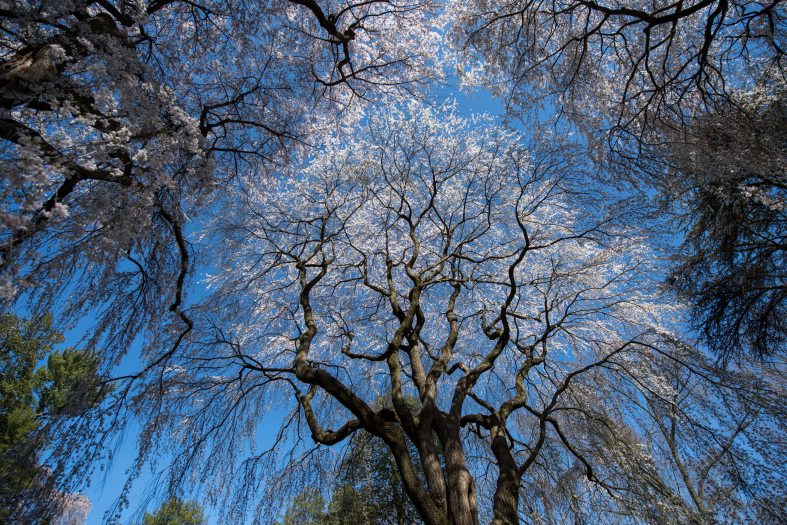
[(622, 69), (286, 211)]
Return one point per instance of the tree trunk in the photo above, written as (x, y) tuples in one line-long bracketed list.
[(506, 499), (430, 461), (462, 507), (429, 512)]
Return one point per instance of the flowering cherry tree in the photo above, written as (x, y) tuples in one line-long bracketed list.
[(424, 256), (123, 121), (622, 68), (643, 80), (122, 118)]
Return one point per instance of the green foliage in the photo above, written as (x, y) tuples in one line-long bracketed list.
[(368, 490), (175, 511), (32, 395), (22, 345), (73, 383), (348, 506), (307, 508)]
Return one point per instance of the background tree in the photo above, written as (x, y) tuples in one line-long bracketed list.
[(368, 487), (34, 399), (729, 180), (74, 510), (306, 508), (175, 511)]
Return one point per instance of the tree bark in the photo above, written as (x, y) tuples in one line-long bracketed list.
[(430, 460), (462, 506), (506, 499)]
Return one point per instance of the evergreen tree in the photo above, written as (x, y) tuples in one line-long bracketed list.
[(369, 487), (368, 490), (32, 395), (175, 511)]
